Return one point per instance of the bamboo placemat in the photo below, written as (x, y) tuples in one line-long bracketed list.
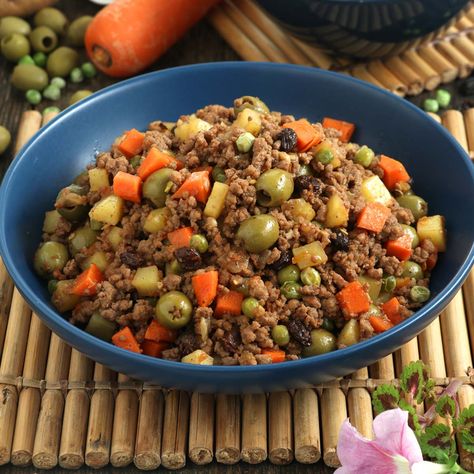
[(256, 37), (58, 407)]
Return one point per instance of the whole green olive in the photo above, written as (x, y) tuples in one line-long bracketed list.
[(79, 95), (412, 270), (52, 18), (417, 205), (15, 46), (63, 298), (5, 139), (322, 341), (62, 61), (258, 233), (49, 257), (250, 102), (411, 231), (77, 30), (81, 238), (274, 187), (173, 310), (43, 39), (71, 203), (13, 24), (350, 333), (28, 76), (154, 187)]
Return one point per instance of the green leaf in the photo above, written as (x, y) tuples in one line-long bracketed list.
[(437, 443), (445, 406), (385, 397), (413, 420), (464, 424), (413, 379)]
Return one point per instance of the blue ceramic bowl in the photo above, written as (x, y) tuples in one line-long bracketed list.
[(365, 28), (441, 170)]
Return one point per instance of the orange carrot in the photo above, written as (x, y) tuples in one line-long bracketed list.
[(275, 354), (393, 172), (400, 248), (401, 282), (392, 309), (379, 324), (86, 283), (126, 340), (353, 299), (153, 348), (307, 136), (346, 128), (127, 36), (154, 161), (373, 217), (229, 303), (197, 185), (158, 333), (205, 287), (180, 237), (132, 143), (128, 186)]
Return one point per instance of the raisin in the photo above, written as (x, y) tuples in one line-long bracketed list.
[(187, 343), (299, 332), (307, 182), (231, 340), (288, 139), (283, 261), (131, 259), (188, 257), (341, 240)]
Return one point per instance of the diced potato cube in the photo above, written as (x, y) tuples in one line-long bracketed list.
[(309, 255), (216, 201), (98, 258), (146, 281), (373, 284), (51, 221), (336, 213), (115, 237), (373, 190), (108, 210), (198, 357), (156, 220), (336, 162), (249, 120), (194, 125), (433, 228), (98, 179), (299, 208), (62, 297)]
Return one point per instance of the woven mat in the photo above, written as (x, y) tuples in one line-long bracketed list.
[(58, 407), (255, 37)]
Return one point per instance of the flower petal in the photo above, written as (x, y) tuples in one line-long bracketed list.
[(426, 467), (359, 455), (392, 434)]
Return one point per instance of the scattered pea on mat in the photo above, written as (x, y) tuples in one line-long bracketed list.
[(33, 96), (52, 92), (27, 59), (5, 139), (51, 109), (59, 82), (89, 70), (76, 75), (431, 105), (443, 97), (40, 59)]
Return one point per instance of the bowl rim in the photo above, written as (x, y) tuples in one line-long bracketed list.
[(57, 323)]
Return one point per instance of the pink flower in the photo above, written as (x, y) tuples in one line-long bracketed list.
[(395, 449)]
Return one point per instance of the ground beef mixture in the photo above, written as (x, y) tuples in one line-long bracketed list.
[(239, 236)]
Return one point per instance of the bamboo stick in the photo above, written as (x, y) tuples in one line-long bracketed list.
[(383, 368), (440, 64), (454, 122), (465, 45), (125, 426), (468, 292), (387, 78), (254, 428), (280, 432), (431, 349), (48, 428), (235, 37), (150, 425), (464, 65), (430, 78), (99, 433), (361, 72), (306, 426), (359, 404), (406, 354), (434, 116), (30, 123), (6, 293), (406, 74), (29, 400), (469, 126), (333, 413), (76, 414), (227, 429), (318, 58), (466, 399), (201, 428), (175, 427)]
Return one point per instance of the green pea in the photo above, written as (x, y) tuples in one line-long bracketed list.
[(199, 242), (26, 59), (40, 59), (49, 257), (62, 62), (51, 110), (411, 231), (288, 273), (364, 156), (52, 18), (79, 95), (135, 161), (13, 24), (14, 47), (100, 327), (59, 82), (27, 76), (417, 205), (88, 69), (291, 290), (245, 142), (174, 310), (443, 97), (431, 105), (328, 324), (310, 276), (419, 294), (280, 335), (249, 305), (173, 268), (305, 170), (76, 76), (77, 30), (33, 97), (412, 270), (324, 155), (43, 39), (218, 174), (274, 187), (52, 285), (389, 283), (52, 92), (322, 341), (5, 139)]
